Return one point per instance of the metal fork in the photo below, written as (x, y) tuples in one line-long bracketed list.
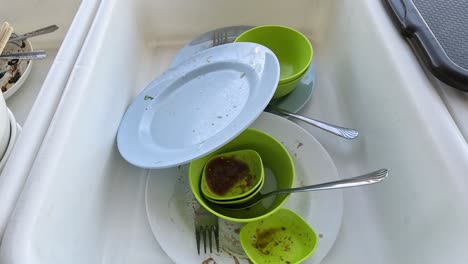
[(206, 226), (219, 38)]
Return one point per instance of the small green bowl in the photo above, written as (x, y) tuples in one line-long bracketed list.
[(226, 164), (285, 88), (239, 200), (276, 160), (293, 50), (283, 237)]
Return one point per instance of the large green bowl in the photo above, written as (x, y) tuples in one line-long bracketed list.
[(279, 174), (293, 50), (285, 88)]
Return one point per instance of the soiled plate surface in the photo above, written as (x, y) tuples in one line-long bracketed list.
[(293, 102), (198, 106), (170, 205)]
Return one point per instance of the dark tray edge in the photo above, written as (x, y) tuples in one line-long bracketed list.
[(412, 26)]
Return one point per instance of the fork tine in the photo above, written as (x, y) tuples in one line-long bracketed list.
[(205, 230), (215, 38), (210, 233), (197, 238), (225, 37), (216, 233)]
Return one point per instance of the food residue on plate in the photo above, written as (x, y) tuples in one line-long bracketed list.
[(12, 70), (209, 261), (271, 240)]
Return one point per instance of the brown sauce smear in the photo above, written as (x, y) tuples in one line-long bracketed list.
[(223, 173)]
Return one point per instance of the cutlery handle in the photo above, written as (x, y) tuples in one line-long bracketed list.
[(33, 55), (344, 132), (370, 178), (34, 33)]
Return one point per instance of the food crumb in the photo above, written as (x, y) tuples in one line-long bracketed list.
[(209, 261), (147, 97), (320, 235), (242, 75), (299, 145)]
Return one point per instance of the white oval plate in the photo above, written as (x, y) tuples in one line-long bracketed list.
[(170, 204), (293, 102), (199, 105)]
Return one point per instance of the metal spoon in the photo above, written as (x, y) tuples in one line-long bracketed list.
[(34, 33), (344, 132), (370, 178), (33, 55)]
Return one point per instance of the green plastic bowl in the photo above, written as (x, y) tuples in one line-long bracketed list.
[(243, 187), (293, 50), (275, 158), (283, 237), (239, 200), (285, 88)]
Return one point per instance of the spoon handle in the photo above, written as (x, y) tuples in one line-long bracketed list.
[(370, 178), (34, 33), (344, 132), (33, 55)]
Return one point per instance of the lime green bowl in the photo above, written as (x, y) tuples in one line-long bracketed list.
[(239, 200), (276, 161), (224, 168), (283, 237), (285, 88), (293, 50)]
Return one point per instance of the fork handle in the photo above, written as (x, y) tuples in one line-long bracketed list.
[(343, 132), (34, 33)]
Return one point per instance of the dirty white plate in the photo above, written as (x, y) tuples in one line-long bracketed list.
[(293, 102), (170, 204), (198, 106), (13, 73)]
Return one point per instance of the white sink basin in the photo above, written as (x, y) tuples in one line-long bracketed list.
[(34, 104), (83, 203)]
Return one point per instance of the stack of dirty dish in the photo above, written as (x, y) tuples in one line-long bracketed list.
[(16, 55), (232, 177), (206, 102), (292, 48)]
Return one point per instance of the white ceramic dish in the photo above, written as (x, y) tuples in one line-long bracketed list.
[(170, 203), (5, 129), (293, 102), (15, 72), (15, 129), (198, 106)]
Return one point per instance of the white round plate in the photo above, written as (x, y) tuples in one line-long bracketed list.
[(293, 102), (198, 106), (15, 131), (170, 204), (13, 73)]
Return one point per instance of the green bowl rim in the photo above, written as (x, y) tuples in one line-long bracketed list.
[(302, 71), (245, 220)]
